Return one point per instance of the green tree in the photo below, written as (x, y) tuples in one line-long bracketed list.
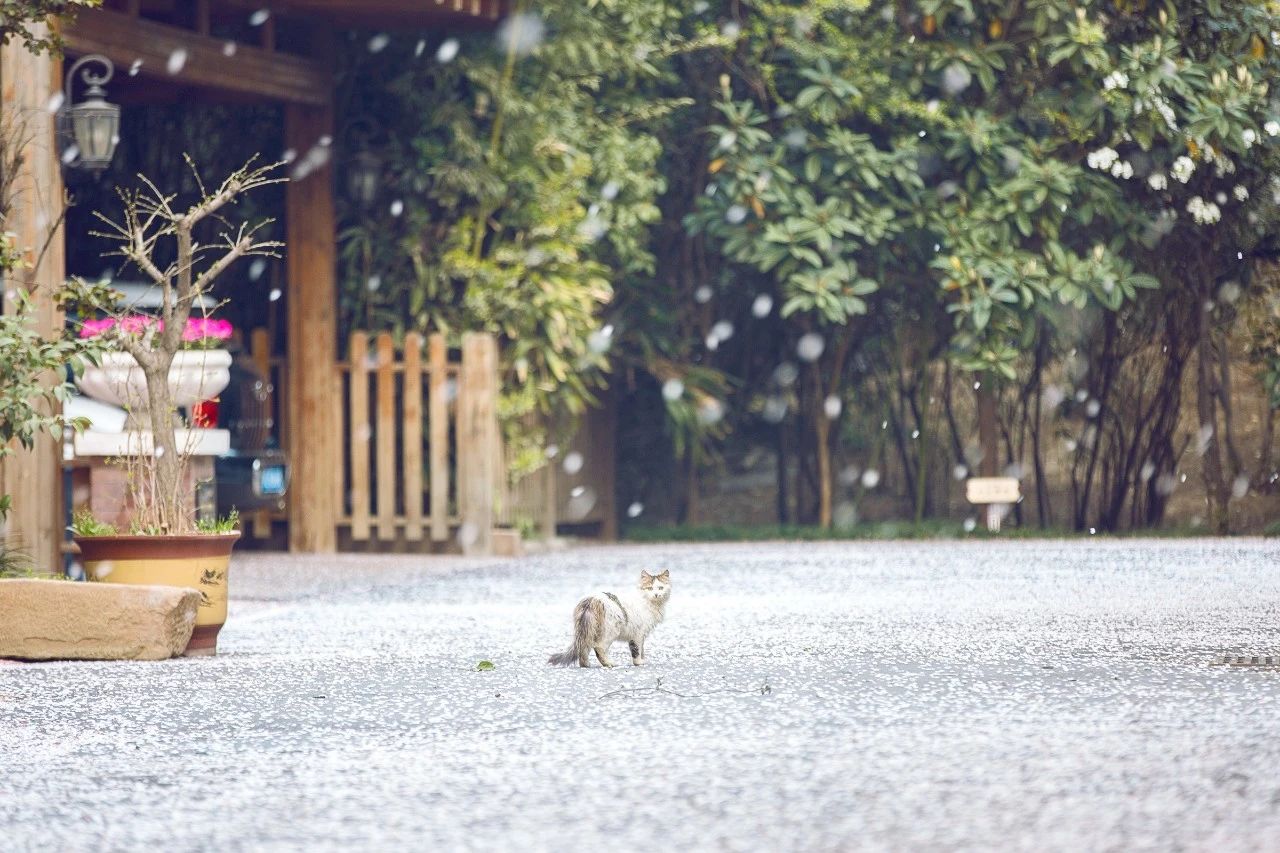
[(525, 199), (1030, 160), (20, 19)]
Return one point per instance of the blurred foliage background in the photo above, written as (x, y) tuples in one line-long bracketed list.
[(817, 227)]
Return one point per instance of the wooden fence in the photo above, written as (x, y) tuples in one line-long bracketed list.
[(580, 496), (418, 457)]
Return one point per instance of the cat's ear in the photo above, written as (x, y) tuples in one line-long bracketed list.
[(644, 575), (666, 575)]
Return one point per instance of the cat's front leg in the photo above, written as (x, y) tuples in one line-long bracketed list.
[(637, 652)]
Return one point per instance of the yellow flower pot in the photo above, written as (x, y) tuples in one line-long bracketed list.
[(199, 562)]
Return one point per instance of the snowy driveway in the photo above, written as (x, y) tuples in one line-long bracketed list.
[(933, 696)]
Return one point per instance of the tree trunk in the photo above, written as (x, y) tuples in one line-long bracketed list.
[(922, 464), (1262, 479), (1215, 487), (988, 436), (957, 446), (167, 462), (822, 435)]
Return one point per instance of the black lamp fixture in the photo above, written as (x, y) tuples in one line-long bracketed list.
[(92, 126), (364, 166)]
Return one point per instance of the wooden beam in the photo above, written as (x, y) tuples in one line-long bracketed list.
[(389, 13), (266, 75), (311, 275), (34, 478), (477, 440)]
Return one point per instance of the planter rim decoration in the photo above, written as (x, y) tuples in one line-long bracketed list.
[(199, 561), (196, 375)]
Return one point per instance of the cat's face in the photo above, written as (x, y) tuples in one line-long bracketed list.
[(655, 587)]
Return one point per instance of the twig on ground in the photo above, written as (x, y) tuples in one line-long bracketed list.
[(658, 688)]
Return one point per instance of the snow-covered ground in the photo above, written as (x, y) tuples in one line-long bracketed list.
[(937, 696)]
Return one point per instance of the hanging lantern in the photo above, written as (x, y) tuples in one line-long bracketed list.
[(93, 124), (364, 172), (364, 164)]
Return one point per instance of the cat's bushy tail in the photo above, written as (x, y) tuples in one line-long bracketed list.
[(577, 650)]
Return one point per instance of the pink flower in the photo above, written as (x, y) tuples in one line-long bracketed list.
[(93, 328), (198, 329), (206, 328)]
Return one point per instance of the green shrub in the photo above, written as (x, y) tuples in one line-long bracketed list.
[(84, 524)]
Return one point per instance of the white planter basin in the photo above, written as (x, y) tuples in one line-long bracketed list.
[(194, 376)]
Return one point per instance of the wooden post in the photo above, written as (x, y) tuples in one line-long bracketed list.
[(260, 353), (34, 478), (438, 437), (358, 433), (387, 463), (312, 347), (412, 437), (477, 438)]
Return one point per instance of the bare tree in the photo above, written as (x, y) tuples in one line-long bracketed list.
[(152, 218)]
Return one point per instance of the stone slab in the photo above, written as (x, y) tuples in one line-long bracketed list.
[(64, 620)]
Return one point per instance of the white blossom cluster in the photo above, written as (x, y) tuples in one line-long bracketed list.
[(1204, 213), (1103, 158), (1182, 169), (1108, 160), (1158, 181), (1115, 80), (1272, 128), (1241, 192)]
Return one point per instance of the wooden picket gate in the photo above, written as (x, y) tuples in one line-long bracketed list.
[(417, 465), (420, 433)]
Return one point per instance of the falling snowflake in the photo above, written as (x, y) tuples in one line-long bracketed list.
[(448, 51), (521, 34), (810, 346), (177, 61)]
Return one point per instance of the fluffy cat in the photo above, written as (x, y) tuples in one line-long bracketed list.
[(603, 618)]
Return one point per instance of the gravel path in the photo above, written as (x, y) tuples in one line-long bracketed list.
[(923, 696)]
